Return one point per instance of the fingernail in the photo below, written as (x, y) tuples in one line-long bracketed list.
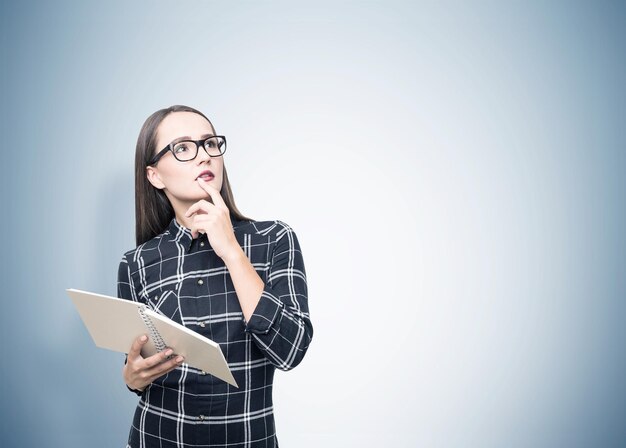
[(179, 359), (144, 338), (168, 352)]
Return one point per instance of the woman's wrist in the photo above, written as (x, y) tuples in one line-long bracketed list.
[(234, 255), (136, 391)]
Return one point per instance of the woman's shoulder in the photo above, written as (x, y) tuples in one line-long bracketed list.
[(273, 227), (146, 247)]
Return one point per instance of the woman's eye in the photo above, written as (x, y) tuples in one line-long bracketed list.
[(182, 147)]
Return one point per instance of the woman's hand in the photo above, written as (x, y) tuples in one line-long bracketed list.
[(214, 220), (139, 371)]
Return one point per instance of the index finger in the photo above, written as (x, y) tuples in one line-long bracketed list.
[(158, 358), (215, 195), (135, 349)]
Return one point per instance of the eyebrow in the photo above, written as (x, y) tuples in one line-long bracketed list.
[(186, 137)]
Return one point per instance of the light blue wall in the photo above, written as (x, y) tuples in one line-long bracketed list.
[(455, 172)]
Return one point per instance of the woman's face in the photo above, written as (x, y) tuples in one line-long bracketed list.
[(178, 179)]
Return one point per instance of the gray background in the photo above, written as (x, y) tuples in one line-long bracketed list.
[(455, 173)]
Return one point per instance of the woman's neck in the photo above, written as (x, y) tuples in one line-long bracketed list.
[(182, 220), (180, 208)]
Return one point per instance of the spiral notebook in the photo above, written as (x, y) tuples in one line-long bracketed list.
[(115, 323)]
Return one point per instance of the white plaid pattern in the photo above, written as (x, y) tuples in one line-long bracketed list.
[(186, 281)]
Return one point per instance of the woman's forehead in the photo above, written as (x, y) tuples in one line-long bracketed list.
[(181, 124)]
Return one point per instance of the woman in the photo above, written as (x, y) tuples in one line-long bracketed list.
[(200, 262)]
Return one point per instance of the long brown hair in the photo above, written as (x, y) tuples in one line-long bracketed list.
[(153, 211)]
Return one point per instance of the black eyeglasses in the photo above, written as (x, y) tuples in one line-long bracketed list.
[(186, 150)]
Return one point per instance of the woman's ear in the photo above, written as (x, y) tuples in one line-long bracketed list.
[(153, 177)]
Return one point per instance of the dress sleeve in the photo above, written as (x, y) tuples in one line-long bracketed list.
[(125, 291), (280, 324), (125, 288)]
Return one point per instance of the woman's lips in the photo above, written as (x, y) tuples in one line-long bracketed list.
[(206, 175)]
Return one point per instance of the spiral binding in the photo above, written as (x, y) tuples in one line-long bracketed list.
[(156, 336)]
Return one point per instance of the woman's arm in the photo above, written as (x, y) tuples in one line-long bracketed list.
[(139, 372), (276, 313), (247, 282)]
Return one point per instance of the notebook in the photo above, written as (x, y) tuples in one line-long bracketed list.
[(115, 323)]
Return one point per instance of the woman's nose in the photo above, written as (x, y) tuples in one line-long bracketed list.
[(203, 154)]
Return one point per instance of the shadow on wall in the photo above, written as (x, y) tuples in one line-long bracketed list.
[(114, 230)]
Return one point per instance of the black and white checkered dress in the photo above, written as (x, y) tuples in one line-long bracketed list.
[(186, 281)]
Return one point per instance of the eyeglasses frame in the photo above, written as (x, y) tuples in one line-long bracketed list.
[(199, 143)]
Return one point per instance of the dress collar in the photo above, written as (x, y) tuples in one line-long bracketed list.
[(182, 235)]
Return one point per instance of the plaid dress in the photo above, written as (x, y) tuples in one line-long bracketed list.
[(183, 279)]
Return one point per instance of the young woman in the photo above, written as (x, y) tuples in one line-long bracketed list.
[(200, 262)]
